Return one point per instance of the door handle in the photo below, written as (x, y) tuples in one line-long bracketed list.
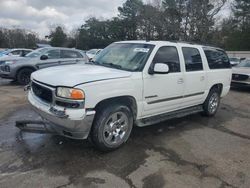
[(180, 81)]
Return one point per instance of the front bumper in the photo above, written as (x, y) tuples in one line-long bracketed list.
[(240, 84), (76, 125), (7, 75)]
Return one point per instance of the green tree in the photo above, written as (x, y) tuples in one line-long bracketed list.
[(130, 12), (58, 37), (241, 34)]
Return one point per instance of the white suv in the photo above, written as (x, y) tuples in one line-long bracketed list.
[(130, 83)]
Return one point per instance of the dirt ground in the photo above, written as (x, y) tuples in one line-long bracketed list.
[(194, 151)]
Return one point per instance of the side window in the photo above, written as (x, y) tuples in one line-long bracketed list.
[(16, 52), (70, 54), (168, 55), (26, 52), (217, 59), (53, 54), (192, 59)]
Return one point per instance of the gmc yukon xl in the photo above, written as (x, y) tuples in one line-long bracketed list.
[(130, 83)]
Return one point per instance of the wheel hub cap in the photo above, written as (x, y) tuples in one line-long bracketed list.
[(213, 103), (115, 128)]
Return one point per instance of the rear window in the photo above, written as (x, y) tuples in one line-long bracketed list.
[(217, 59)]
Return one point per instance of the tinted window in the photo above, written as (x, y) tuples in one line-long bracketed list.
[(53, 54), (169, 56), (192, 59), (70, 54), (217, 59)]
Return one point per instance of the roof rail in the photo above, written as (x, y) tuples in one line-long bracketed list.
[(195, 43)]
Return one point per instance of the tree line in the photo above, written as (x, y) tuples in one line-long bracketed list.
[(17, 38), (178, 20)]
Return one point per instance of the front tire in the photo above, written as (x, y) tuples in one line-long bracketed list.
[(212, 102), (112, 127), (23, 76)]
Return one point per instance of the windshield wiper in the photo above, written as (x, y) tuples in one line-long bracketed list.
[(92, 62), (113, 65)]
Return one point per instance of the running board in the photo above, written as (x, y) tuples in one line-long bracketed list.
[(170, 115), (37, 127)]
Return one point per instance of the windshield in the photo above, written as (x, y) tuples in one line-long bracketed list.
[(36, 53), (92, 51), (244, 63), (125, 56)]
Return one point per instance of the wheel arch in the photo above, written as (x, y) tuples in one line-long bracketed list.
[(24, 67), (127, 100), (218, 86)]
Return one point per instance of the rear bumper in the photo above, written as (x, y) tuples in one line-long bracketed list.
[(76, 125)]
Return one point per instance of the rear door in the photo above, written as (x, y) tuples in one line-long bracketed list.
[(70, 57), (195, 77), (53, 59)]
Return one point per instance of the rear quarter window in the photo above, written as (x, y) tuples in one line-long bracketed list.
[(217, 59)]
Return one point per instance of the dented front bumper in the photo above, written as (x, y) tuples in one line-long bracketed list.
[(73, 123)]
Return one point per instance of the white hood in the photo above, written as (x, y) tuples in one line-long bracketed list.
[(72, 75), (241, 70)]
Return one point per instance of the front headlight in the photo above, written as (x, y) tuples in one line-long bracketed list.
[(70, 93)]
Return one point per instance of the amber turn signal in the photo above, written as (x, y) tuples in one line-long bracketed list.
[(77, 94)]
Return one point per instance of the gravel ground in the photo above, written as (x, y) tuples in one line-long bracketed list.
[(194, 151)]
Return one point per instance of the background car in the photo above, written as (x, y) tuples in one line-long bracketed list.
[(15, 52), (241, 74), (20, 69), (234, 60), (92, 53)]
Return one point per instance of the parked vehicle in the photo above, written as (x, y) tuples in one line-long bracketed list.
[(15, 52), (92, 53), (21, 69), (241, 74), (130, 83), (234, 61)]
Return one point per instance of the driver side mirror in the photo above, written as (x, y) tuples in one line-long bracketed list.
[(159, 68), (44, 57)]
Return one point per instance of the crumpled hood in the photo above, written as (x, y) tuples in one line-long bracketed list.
[(241, 70), (72, 75)]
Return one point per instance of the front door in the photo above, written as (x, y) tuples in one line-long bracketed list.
[(163, 92), (53, 59)]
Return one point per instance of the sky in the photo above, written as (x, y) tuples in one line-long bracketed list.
[(41, 16)]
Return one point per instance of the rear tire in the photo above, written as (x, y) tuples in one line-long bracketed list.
[(212, 102), (112, 127), (23, 76)]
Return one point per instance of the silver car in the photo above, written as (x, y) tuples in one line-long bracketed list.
[(21, 68), (241, 74), (14, 52)]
